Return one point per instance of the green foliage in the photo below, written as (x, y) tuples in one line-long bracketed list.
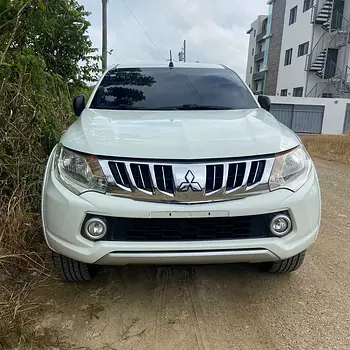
[(54, 30), (45, 58)]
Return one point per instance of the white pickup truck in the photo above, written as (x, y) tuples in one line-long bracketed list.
[(177, 165)]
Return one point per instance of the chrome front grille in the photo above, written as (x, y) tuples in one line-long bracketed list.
[(187, 182)]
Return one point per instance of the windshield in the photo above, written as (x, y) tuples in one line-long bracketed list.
[(172, 89)]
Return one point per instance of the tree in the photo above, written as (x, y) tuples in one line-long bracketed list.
[(54, 30), (45, 56)]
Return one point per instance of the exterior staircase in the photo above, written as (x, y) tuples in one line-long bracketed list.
[(323, 58), (319, 62), (337, 22), (324, 52), (335, 86), (324, 11)]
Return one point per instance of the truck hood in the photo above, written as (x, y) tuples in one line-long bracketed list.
[(178, 134)]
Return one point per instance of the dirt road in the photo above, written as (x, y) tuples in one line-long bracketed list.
[(217, 307)]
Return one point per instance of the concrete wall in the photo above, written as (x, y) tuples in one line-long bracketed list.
[(334, 114), (294, 75), (276, 25)]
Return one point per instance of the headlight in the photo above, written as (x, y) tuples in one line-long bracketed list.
[(290, 170), (78, 172)]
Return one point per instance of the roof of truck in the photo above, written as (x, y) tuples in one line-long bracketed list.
[(166, 64)]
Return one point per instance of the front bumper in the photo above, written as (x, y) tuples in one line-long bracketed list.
[(63, 214)]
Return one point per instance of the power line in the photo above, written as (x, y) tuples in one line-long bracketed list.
[(154, 44), (104, 35)]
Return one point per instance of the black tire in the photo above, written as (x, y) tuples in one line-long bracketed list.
[(284, 266), (71, 270)]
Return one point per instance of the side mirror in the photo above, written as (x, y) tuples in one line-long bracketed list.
[(264, 102), (78, 105)]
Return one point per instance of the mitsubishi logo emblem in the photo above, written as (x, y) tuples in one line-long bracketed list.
[(189, 183)]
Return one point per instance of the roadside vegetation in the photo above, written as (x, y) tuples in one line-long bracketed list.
[(329, 147), (46, 57)]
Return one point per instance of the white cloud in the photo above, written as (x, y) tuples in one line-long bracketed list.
[(215, 30)]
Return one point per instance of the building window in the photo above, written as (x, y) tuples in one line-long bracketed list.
[(264, 25), (284, 92), (298, 92), (251, 70), (308, 4), (303, 49), (253, 52), (256, 86), (293, 15), (258, 68), (260, 48), (288, 57), (254, 33)]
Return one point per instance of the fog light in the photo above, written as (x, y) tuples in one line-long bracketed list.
[(280, 225), (95, 228)]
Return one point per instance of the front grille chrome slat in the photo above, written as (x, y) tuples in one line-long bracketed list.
[(162, 177), (187, 182), (242, 187), (143, 182), (235, 178), (164, 183), (256, 172)]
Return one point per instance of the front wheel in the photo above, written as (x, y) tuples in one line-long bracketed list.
[(71, 270), (284, 266)]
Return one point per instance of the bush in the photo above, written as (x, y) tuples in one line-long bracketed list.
[(45, 58)]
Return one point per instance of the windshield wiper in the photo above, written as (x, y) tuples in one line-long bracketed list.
[(189, 107), (122, 107), (186, 107)]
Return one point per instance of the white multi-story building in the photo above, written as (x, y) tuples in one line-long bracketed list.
[(309, 41), (256, 61)]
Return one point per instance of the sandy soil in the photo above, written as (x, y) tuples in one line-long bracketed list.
[(216, 307)]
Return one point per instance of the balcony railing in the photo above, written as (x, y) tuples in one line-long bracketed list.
[(260, 36), (258, 76), (259, 56)]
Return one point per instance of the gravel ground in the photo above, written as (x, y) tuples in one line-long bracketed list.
[(217, 307)]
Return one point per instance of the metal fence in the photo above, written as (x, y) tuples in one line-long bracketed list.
[(300, 118)]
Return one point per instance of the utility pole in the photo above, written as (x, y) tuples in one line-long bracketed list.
[(184, 50), (104, 35)]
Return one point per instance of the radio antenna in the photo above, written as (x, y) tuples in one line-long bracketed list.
[(171, 64)]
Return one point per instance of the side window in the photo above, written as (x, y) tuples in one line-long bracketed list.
[(303, 49), (251, 70), (288, 57), (298, 92), (307, 5), (284, 92), (253, 52), (293, 15)]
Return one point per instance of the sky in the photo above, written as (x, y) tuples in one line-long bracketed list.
[(215, 30)]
